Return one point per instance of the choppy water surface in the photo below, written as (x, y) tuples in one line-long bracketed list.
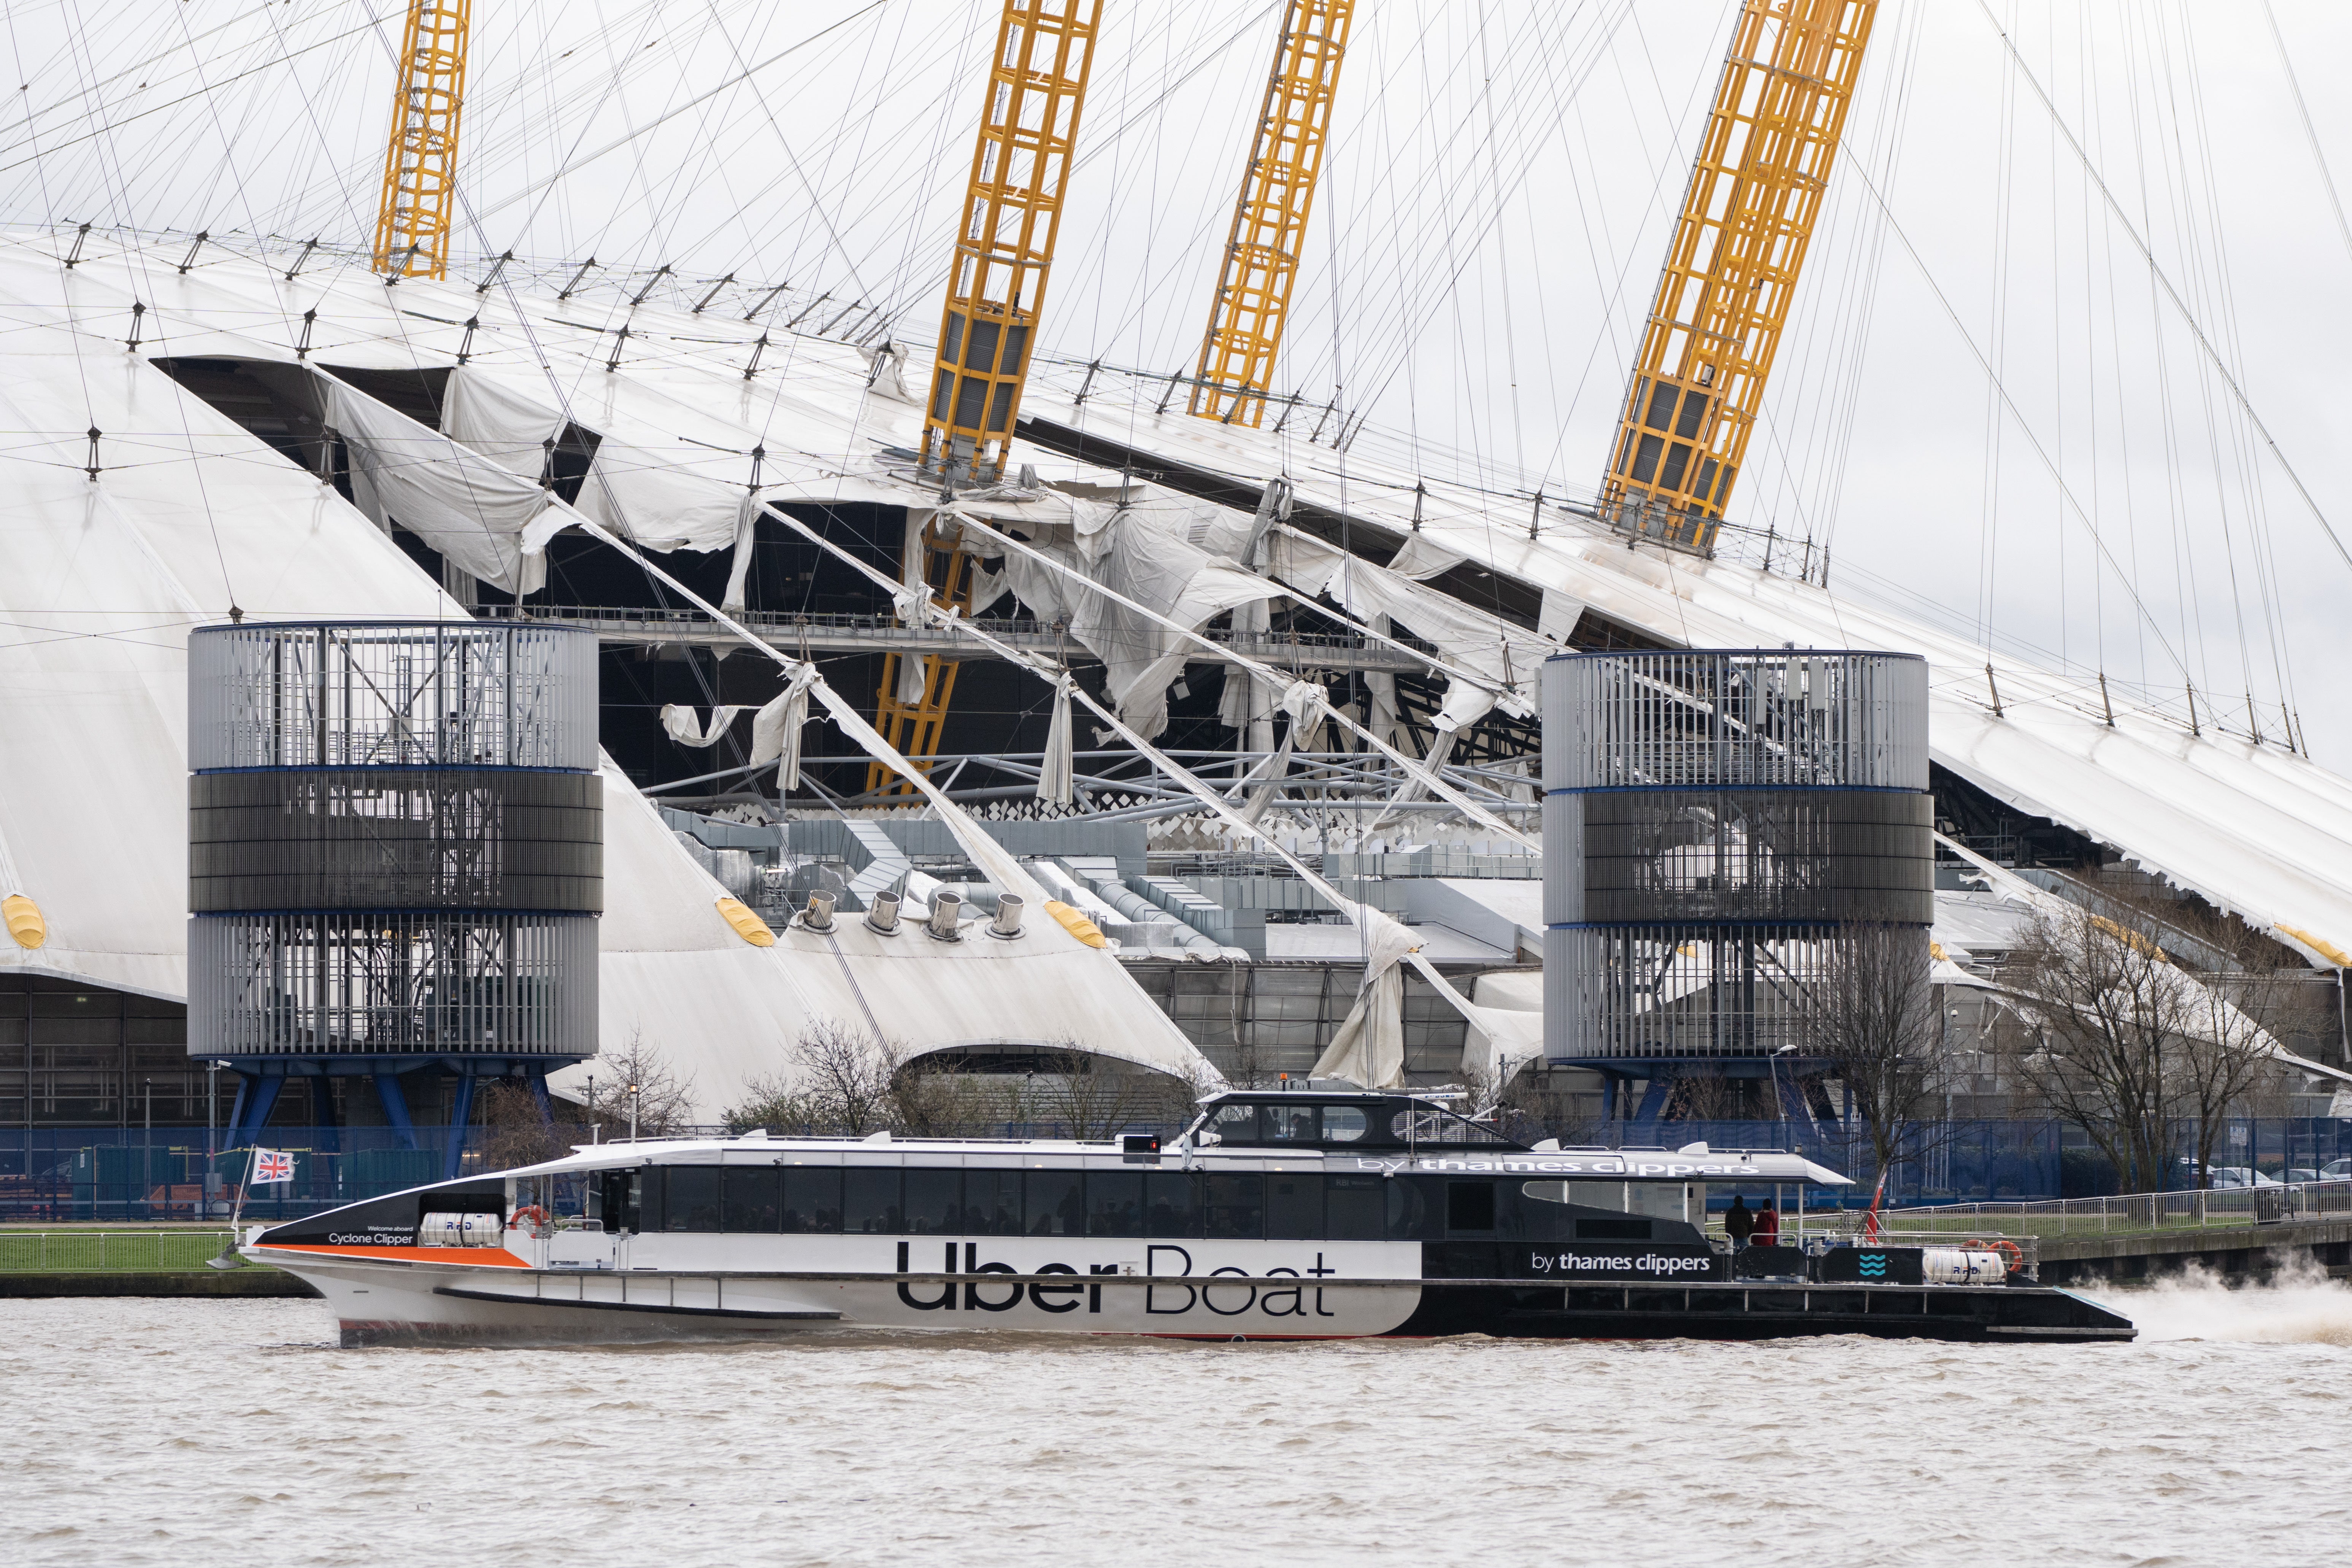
[(187, 1433)]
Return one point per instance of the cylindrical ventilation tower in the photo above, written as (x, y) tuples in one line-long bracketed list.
[(396, 851), (1721, 831)]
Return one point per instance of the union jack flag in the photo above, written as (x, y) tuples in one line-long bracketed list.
[(269, 1165)]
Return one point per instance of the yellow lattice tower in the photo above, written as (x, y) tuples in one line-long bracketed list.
[(1755, 195), (1012, 209), (412, 226), (1253, 299), (914, 727)]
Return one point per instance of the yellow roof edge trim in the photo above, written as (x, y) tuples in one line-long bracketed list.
[(747, 925), (2327, 949), (24, 920), (1077, 923)]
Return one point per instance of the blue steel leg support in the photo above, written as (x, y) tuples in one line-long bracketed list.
[(237, 1108), (539, 1093), (1792, 1103), (461, 1115), (256, 1107), (1654, 1102), (395, 1108)]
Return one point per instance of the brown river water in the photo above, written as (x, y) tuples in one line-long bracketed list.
[(219, 1432)]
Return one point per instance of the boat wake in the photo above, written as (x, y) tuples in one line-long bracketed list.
[(2298, 1305)]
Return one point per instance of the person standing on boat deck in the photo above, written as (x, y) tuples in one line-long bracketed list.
[(1768, 1225), (1738, 1223)]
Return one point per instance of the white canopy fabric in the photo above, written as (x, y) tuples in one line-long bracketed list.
[(2257, 829), (190, 515)]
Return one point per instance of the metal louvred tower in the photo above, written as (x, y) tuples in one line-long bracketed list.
[(1246, 319), (1723, 299), (1013, 208), (412, 226)]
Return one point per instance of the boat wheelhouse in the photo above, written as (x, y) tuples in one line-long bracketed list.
[(1279, 1214)]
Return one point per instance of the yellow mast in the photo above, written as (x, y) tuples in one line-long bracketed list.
[(1755, 195), (413, 223), (1245, 320), (1012, 209), (1004, 249)]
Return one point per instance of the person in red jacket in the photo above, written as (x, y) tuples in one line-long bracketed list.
[(1768, 1225)]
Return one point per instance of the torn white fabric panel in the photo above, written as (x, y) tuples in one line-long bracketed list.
[(776, 728), (1483, 646), (1556, 622), (739, 572), (914, 601), (1056, 780), (679, 721), (470, 509), (1368, 1046), (513, 429)]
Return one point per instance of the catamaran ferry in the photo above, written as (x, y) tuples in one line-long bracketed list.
[(1279, 1214)]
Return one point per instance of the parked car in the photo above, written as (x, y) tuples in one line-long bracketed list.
[(2336, 1171), (2294, 1174), (2225, 1178)]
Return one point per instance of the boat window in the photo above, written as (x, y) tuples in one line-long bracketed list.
[(1235, 1210), (1115, 1203), (1469, 1207), (1422, 1123), (1352, 1207), (1612, 1230), (1055, 1207), (813, 1200), (754, 1198), (623, 1200), (871, 1204), (1294, 1205), (1286, 1123), (692, 1198), (1412, 1217), (1235, 1124), (992, 1203), (934, 1202), (1171, 1204), (1345, 1123)]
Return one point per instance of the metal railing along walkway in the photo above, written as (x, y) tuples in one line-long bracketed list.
[(2141, 1214), (108, 1251), (841, 632)]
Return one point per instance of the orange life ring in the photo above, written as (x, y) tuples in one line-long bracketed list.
[(536, 1215), (2012, 1256)]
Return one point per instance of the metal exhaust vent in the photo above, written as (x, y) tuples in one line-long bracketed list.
[(945, 906), (1006, 926)]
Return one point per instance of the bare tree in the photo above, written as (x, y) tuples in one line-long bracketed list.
[(1099, 1099), (516, 1129), (2124, 1042), (1871, 1016), (637, 1080), (845, 1076)]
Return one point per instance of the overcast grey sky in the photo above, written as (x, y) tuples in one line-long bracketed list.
[(1988, 405)]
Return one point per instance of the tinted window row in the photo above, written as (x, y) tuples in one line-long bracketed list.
[(1236, 1205), (885, 1201)]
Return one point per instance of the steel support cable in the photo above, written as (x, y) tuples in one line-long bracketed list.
[(851, 722), (1263, 671), (2164, 281), (2001, 392), (1049, 670), (574, 165)]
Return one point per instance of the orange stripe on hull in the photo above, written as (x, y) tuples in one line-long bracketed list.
[(480, 1257)]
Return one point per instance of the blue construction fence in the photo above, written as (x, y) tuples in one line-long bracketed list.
[(51, 1175)]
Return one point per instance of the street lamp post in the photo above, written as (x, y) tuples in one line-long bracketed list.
[(633, 1113)]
